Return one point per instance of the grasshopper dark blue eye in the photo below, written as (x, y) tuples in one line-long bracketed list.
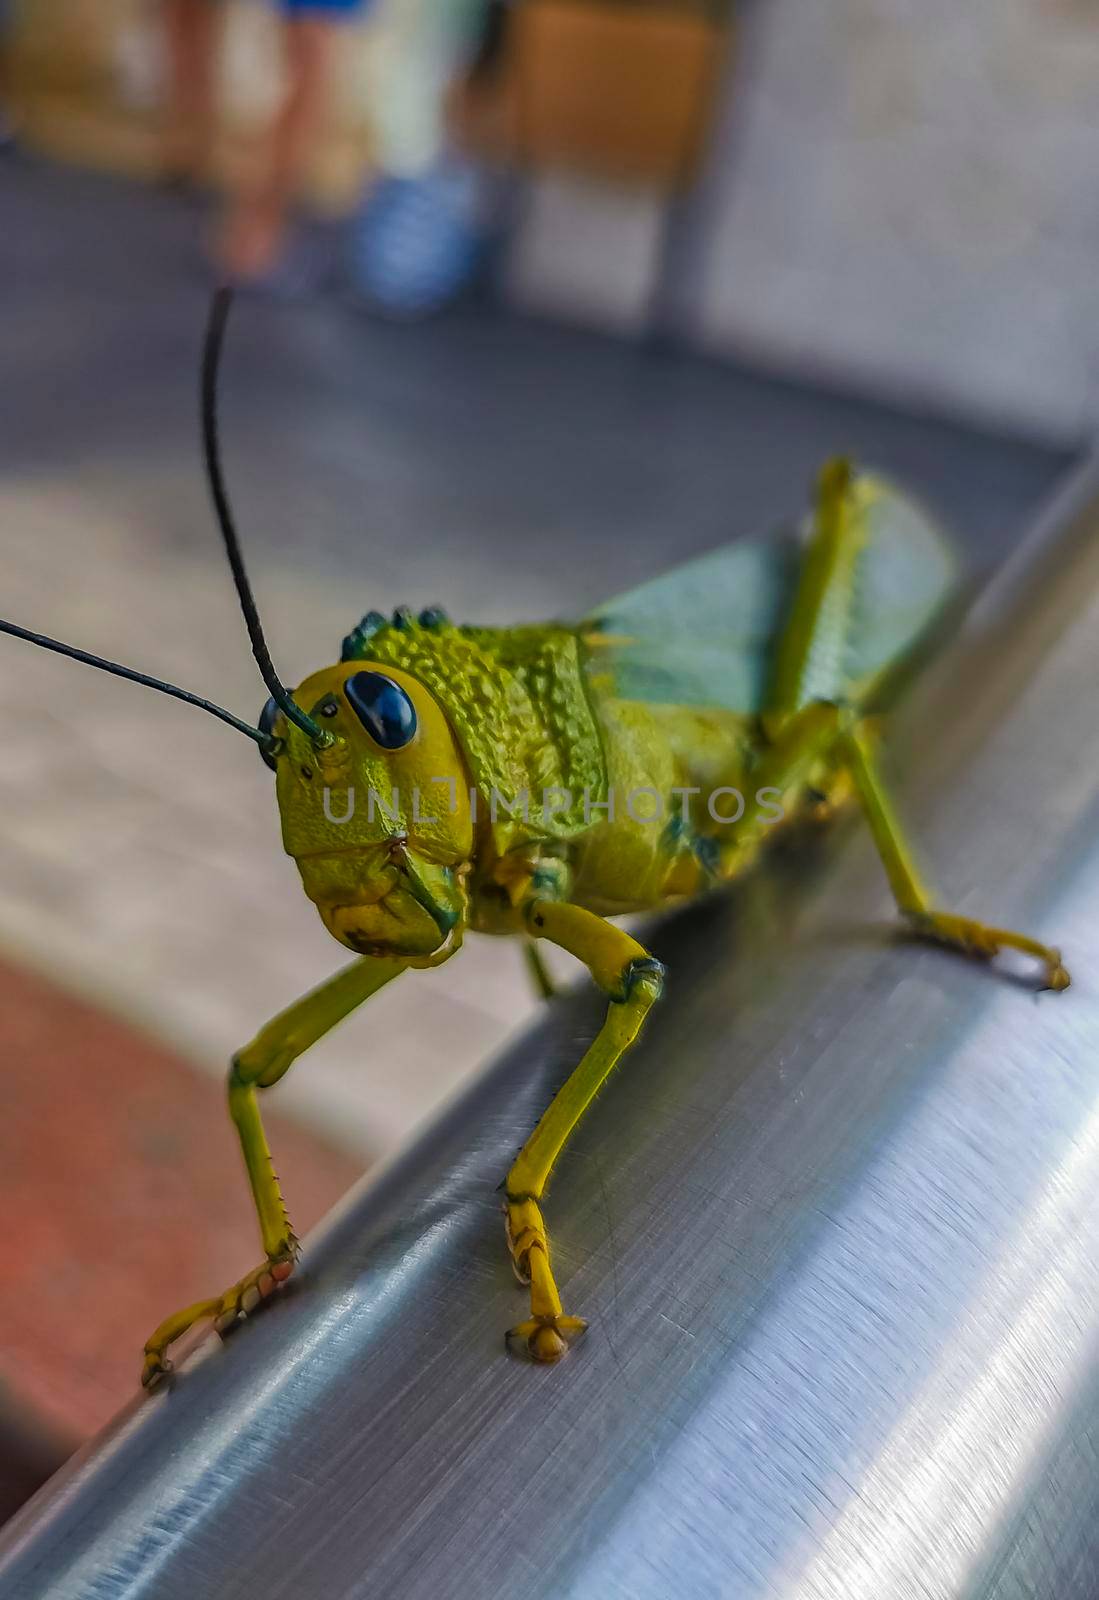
[(266, 724), (383, 708)]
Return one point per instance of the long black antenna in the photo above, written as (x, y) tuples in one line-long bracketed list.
[(264, 740), (211, 359)]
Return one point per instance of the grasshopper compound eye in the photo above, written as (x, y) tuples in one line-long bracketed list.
[(383, 708)]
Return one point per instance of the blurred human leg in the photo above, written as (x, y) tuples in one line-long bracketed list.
[(190, 29), (256, 226), (7, 115)]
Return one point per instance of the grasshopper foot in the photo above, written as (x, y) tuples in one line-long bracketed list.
[(547, 1334), (977, 939), (224, 1310), (256, 1287), (546, 1338)]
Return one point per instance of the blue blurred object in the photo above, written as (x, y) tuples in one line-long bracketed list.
[(418, 242), (298, 8)]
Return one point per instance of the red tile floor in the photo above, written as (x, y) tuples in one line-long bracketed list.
[(124, 1198)]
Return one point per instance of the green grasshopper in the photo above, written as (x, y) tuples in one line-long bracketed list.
[(534, 781)]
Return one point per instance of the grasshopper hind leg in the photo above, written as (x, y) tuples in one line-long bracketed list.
[(913, 901), (822, 622)]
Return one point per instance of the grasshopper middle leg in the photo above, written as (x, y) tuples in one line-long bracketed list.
[(540, 975), (633, 979), (258, 1066)]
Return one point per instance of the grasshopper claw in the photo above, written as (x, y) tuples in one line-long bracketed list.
[(1057, 977)]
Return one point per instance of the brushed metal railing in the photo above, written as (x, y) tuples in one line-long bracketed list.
[(835, 1224)]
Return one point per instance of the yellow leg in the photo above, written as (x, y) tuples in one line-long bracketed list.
[(913, 900), (258, 1066), (539, 972), (633, 979)]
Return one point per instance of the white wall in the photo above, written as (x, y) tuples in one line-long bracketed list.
[(909, 195)]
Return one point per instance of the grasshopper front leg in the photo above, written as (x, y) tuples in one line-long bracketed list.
[(258, 1066), (913, 901), (633, 979)]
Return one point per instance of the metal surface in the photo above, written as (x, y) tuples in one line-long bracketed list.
[(834, 1224)]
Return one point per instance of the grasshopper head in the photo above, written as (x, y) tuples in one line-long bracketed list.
[(372, 787), (378, 819)]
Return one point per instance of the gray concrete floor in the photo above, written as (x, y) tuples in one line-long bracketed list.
[(504, 468)]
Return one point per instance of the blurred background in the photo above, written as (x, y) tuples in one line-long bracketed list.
[(537, 299)]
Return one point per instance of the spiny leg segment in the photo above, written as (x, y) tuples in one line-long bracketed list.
[(633, 979), (258, 1066)]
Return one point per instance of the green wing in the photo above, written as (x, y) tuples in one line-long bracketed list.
[(907, 574), (704, 634), (700, 635)]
